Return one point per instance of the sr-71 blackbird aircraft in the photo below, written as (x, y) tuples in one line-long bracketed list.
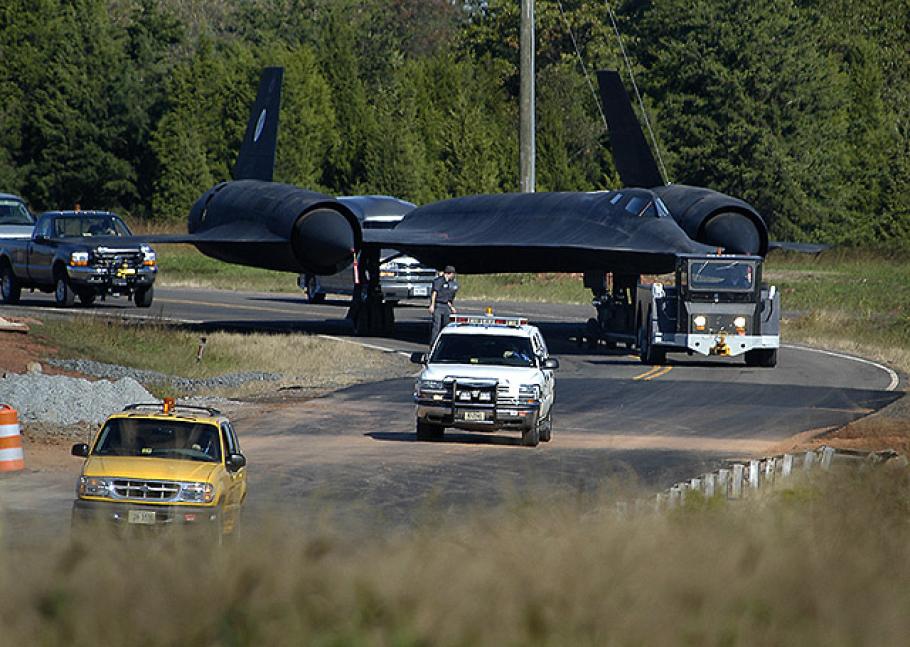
[(640, 229)]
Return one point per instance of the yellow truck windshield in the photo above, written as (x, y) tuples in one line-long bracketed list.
[(159, 438)]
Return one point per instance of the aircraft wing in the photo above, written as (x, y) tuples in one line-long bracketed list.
[(539, 232)]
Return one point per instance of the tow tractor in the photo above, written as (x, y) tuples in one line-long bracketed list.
[(719, 306)]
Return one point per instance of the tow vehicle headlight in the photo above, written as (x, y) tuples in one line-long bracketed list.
[(529, 393), (149, 257), (699, 321), (79, 259), (94, 486), (197, 492), (739, 322)]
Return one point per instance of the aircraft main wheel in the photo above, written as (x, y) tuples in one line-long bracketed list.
[(429, 431), (63, 291), (313, 295), (142, 297), (10, 290), (763, 357)]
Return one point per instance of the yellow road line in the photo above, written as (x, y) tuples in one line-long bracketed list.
[(655, 372)]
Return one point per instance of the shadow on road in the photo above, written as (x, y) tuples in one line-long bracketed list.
[(479, 438)]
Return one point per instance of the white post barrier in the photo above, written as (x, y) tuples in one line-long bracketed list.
[(809, 461), (736, 487), (753, 474), (770, 467), (723, 481), (827, 457), (709, 485), (787, 466)]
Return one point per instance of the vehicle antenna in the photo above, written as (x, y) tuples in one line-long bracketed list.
[(641, 104)]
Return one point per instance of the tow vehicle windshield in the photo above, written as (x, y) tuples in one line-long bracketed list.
[(84, 226), (13, 212), (494, 350), (721, 275), (150, 438)]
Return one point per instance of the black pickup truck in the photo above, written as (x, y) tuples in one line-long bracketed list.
[(75, 253)]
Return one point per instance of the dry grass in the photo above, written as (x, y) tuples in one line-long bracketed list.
[(825, 563), (304, 360)]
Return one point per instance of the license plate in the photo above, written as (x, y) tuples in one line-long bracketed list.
[(420, 292), (141, 516), (126, 272), (475, 416)]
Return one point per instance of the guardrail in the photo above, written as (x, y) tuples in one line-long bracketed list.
[(739, 480)]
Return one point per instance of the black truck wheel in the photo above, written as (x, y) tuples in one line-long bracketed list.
[(142, 297), (63, 291), (546, 428), (763, 357), (87, 297), (429, 431), (647, 353), (10, 290), (531, 437)]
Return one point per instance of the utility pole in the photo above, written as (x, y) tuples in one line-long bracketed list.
[(526, 144)]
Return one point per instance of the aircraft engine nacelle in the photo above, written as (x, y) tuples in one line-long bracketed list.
[(716, 219), (275, 226)]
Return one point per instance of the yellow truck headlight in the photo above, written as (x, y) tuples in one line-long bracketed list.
[(196, 492), (93, 486)]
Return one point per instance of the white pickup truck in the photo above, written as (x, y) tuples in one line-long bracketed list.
[(486, 373)]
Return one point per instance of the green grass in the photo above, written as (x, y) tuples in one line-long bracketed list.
[(184, 266), (821, 564)]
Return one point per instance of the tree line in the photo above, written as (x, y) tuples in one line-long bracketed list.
[(801, 107)]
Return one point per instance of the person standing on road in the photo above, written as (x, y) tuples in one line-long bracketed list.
[(444, 289)]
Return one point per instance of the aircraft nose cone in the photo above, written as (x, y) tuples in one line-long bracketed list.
[(735, 232), (323, 241)]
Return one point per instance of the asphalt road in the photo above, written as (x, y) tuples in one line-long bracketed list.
[(352, 455)]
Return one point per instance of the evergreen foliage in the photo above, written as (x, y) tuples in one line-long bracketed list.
[(801, 107)]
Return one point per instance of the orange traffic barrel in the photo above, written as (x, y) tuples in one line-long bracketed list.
[(11, 457)]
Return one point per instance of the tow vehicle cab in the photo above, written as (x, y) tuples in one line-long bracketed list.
[(486, 373), (162, 465)]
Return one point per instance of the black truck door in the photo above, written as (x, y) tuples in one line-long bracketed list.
[(41, 253)]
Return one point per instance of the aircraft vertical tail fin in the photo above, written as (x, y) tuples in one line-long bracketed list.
[(631, 153), (256, 160)]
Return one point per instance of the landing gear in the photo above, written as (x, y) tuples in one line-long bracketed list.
[(369, 313)]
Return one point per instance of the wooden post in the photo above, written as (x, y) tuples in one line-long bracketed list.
[(709, 485), (787, 466), (736, 487), (753, 474), (770, 466), (723, 482), (809, 461)]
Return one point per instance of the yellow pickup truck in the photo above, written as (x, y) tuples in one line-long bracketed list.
[(162, 465)]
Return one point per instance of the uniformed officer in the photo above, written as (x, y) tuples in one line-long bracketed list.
[(444, 289)]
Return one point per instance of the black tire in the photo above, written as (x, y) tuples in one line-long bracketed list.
[(313, 295), (428, 431), (762, 357), (10, 290), (143, 297), (63, 291), (647, 353), (531, 437), (546, 428), (87, 297)]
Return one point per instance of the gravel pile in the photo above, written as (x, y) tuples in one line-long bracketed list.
[(62, 400), (184, 384)]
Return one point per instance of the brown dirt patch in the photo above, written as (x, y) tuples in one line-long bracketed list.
[(21, 349)]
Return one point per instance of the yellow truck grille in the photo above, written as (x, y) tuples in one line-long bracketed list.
[(150, 490)]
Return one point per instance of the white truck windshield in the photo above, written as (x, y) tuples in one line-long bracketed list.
[(494, 350)]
